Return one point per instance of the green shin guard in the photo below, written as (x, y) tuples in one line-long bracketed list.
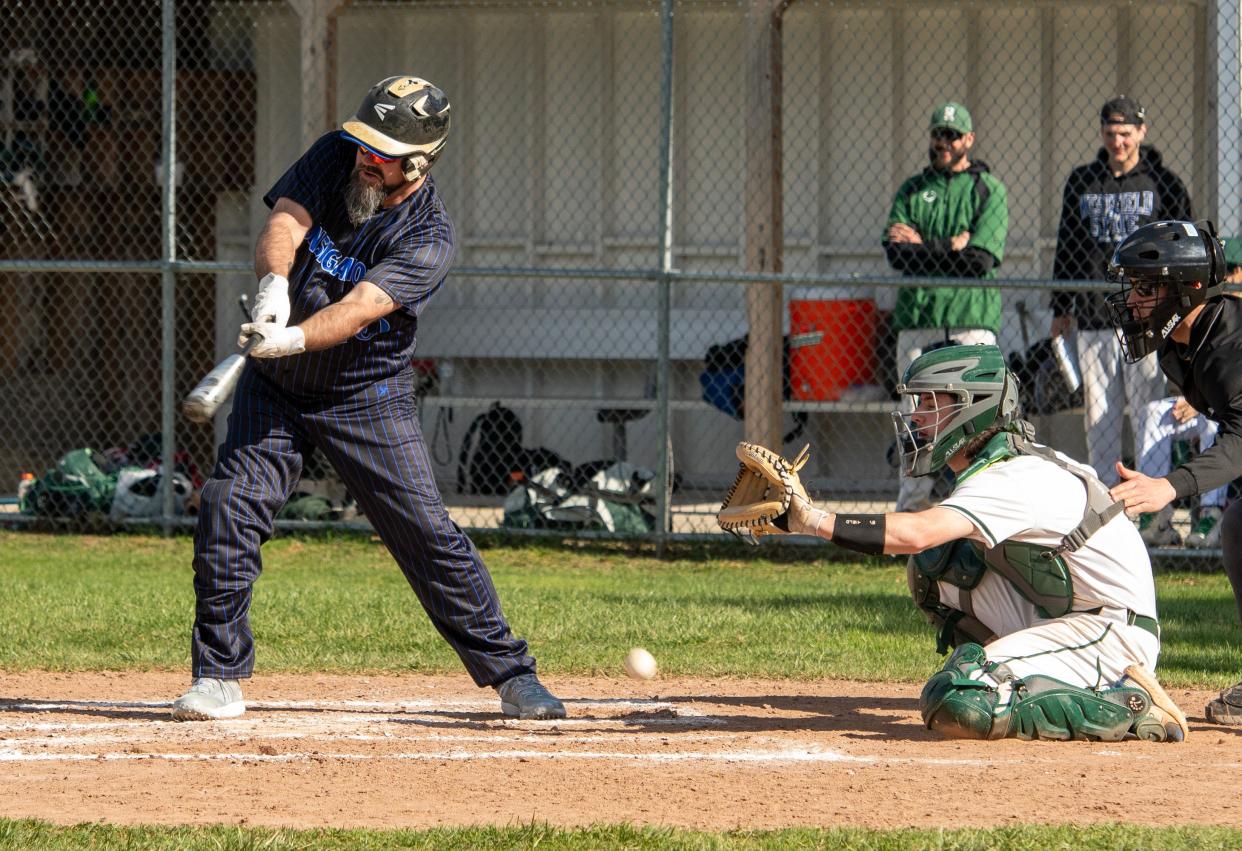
[(1046, 708), (957, 705)]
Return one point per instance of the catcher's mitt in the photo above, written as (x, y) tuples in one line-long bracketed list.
[(758, 503)]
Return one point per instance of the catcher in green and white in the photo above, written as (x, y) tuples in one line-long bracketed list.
[(1028, 569)]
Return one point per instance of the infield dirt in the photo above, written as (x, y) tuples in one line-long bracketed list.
[(422, 751)]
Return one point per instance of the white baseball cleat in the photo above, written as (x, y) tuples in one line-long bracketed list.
[(209, 699)]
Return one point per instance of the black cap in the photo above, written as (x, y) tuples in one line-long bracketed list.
[(1122, 110)]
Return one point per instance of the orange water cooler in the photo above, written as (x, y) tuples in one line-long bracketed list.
[(831, 346)]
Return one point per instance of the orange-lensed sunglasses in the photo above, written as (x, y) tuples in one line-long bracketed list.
[(368, 154)]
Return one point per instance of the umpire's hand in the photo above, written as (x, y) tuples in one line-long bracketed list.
[(1141, 494)]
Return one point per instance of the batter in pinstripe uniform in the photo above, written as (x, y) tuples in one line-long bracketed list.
[(356, 244)]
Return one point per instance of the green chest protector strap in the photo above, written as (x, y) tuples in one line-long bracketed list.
[(1039, 573)]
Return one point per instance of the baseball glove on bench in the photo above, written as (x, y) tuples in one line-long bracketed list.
[(766, 494)]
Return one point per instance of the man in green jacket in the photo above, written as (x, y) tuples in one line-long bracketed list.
[(948, 221)]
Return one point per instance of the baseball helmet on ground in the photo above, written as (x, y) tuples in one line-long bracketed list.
[(404, 118), (1165, 269), (984, 393)]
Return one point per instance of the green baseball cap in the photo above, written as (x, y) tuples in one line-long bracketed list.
[(1233, 251), (952, 115)]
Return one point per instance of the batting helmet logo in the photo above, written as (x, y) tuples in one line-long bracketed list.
[(382, 109)]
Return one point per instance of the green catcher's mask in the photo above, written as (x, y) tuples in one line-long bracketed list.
[(955, 393)]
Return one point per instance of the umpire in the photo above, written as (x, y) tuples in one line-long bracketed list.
[(1172, 302), (357, 243)]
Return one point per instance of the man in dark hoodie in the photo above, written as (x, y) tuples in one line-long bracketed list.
[(948, 221), (1104, 202)]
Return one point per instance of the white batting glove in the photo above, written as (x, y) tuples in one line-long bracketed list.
[(271, 304), (275, 341)]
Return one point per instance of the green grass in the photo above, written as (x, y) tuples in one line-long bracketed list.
[(39, 836), (338, 604)]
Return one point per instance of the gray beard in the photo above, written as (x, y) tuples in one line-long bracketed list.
[(363, 199)]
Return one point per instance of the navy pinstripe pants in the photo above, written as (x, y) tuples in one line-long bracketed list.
[(374, 442)]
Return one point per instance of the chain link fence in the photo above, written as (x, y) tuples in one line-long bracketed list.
[(650, 198)]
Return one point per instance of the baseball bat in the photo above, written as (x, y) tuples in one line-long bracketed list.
[(216, 387), (201, 404)]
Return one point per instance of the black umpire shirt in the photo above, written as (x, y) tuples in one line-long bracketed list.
[(1208, 375)]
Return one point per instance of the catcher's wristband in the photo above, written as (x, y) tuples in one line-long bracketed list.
[(862, 533)]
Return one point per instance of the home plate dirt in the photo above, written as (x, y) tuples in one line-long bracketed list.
[(420, 751)]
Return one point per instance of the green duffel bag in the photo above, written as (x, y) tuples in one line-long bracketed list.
[(80, 484)]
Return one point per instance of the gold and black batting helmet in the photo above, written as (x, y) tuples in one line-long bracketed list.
[(404, 118)]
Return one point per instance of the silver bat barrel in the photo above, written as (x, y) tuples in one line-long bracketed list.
[(217, 386), (214, 390)]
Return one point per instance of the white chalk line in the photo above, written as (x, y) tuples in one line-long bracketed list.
[(346, 726), (439, 705), (399, 721), (747, 756), (786, 755), (337, 725), (740, 756), (329, 722), (213, 732)]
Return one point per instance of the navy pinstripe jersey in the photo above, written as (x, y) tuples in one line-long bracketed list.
[(406, 251)]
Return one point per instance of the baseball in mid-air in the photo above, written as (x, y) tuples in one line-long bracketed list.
[(640, 664)]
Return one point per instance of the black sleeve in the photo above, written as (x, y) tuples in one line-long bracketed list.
[(1068, 256), (1174, 199), (1221, 386), (936, 259), (1220, 464)]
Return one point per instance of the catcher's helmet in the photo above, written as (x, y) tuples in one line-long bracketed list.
[(1165, 270), (405, 118), (984, 394)]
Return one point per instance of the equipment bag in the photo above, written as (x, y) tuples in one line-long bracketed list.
[(81, 483), (617, 499), (724, 376), (723, 380), (491, 452)]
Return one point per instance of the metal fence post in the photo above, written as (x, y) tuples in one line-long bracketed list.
[(664, 467), (168, 289)]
